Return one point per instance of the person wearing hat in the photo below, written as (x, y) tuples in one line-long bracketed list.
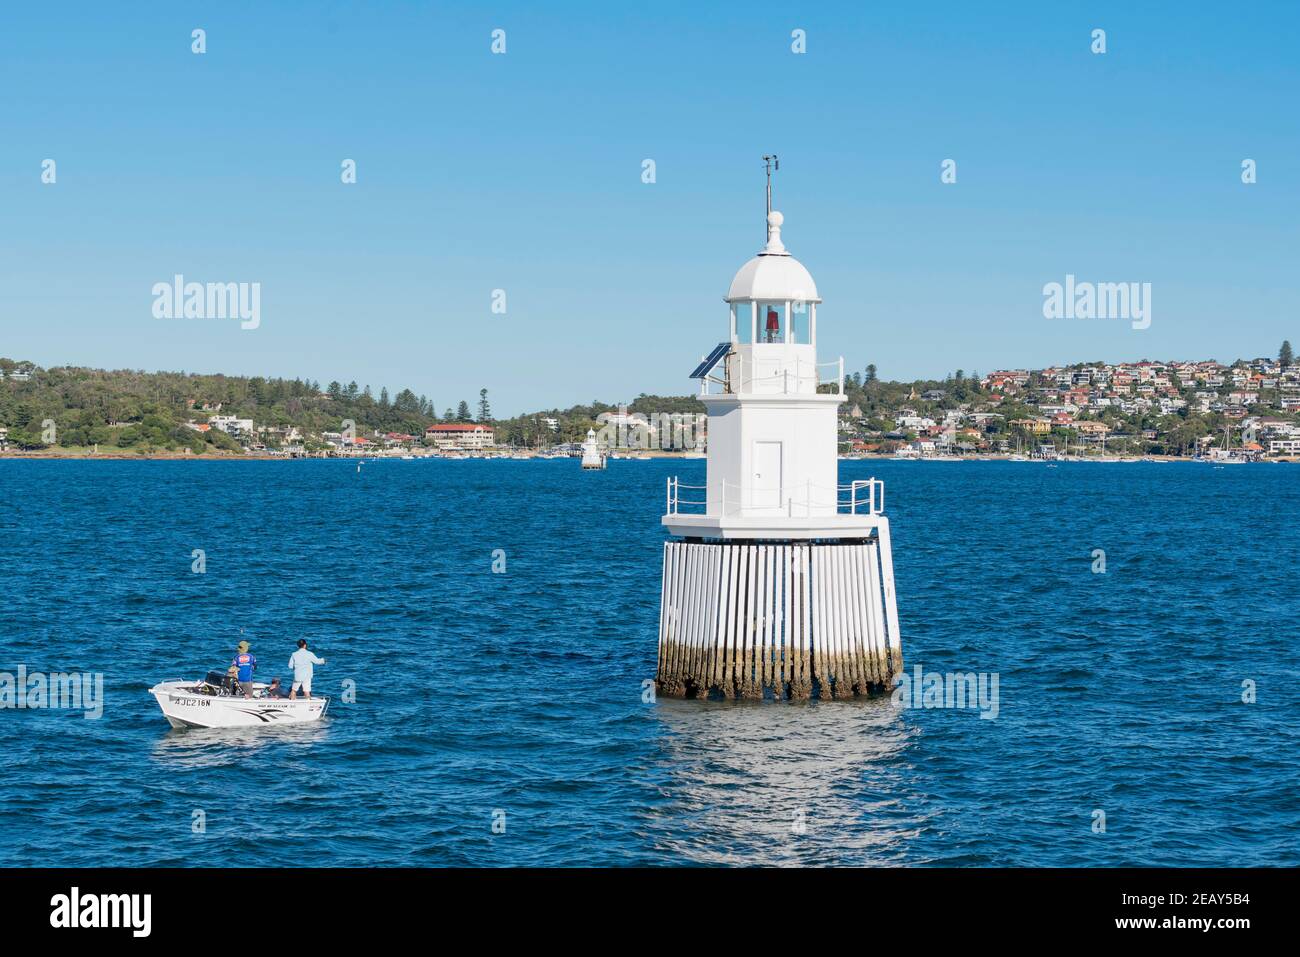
[(244, 664)]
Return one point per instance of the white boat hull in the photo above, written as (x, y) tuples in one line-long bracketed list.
[(184, 707)]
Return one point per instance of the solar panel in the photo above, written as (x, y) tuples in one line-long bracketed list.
[(711, 360)]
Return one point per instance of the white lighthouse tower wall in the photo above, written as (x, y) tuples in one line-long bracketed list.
[(772, 458)]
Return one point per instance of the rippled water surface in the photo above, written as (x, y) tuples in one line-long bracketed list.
[(522, 692)]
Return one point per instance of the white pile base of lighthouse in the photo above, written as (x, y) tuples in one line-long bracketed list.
[(788, 619)]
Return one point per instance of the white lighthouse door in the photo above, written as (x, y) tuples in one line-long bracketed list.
[(766, 490)]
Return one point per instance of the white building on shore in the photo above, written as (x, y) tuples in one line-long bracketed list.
[(467, 436)]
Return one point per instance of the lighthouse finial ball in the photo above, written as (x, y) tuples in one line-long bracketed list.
[(774, 244)]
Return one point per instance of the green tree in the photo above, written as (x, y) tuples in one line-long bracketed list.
[(406, 403), (1284, 355), (484, 410), (462, 411), (25, 440)]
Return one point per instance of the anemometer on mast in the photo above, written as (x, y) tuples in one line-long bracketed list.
[(771, 164)]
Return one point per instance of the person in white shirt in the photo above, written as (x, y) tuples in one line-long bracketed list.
[(302, 662)]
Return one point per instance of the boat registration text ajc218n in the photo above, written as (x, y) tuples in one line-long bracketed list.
[(216, 702)]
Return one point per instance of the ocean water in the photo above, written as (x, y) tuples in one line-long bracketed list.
[(517, 697)]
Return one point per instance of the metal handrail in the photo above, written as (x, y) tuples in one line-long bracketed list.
[(873, 502), (746, 384)]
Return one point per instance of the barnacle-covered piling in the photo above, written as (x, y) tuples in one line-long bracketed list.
[(777, 620)]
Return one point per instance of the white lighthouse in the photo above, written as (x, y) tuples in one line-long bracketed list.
[(777, 579), (593, 456)]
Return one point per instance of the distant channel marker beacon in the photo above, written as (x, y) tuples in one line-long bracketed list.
[(777, 581)]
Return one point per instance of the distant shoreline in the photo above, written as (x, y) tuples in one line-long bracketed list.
[(128, 456), (133, 456)]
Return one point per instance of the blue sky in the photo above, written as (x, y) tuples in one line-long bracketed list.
[(523, 172)]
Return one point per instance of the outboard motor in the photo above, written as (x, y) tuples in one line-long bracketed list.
[(220, 680)]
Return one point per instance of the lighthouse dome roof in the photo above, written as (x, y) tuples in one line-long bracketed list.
[(773, 274), (775, 278)]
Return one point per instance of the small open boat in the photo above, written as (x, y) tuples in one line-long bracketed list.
[(217, 702)]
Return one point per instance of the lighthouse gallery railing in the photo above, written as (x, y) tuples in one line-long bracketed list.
[(784, 382), (866, 496)]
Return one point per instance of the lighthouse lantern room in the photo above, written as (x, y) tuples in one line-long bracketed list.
[(777, 580)]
